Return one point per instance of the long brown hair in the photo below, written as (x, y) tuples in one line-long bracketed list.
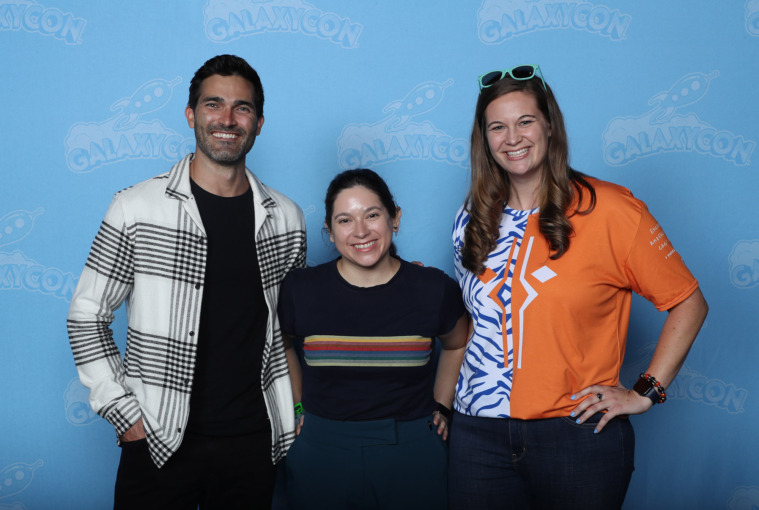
[(561, 187)]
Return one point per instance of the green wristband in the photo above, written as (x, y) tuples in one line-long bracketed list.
[(298, 409)]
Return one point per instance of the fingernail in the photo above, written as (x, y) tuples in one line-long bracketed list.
[(577, 420), (595, 431), (572, 414), (573, 397)]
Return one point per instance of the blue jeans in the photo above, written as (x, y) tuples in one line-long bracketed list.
[(539, 464)]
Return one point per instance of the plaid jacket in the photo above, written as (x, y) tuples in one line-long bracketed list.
[(150, 251)]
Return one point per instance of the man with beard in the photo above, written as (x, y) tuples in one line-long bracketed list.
[(202, 403)]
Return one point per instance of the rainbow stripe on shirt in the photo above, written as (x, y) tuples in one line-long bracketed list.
[(361, 351)]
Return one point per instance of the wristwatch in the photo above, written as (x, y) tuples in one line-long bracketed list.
[(442, 410), (647, 386)]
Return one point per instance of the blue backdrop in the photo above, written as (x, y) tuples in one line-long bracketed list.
[(658, 96)]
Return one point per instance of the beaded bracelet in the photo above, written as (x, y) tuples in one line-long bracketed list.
[(658, 386)]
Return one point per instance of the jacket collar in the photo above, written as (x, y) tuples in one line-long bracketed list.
[(178, 185)]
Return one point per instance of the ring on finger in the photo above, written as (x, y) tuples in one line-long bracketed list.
[(600, 396)]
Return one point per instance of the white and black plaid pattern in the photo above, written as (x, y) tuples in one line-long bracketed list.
[(150, 251)]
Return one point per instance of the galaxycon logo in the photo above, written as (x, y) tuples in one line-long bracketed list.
[(16, 478), (35, 18), (125, 136), (396, 137), (20, 272), (691, 384), (663, 129), (744, 498), (76, 404), (752, 17), (227, 20), (499, 20), (744, 264), (695, 386)]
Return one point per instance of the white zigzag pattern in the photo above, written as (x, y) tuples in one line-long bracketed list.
[(485, 381)]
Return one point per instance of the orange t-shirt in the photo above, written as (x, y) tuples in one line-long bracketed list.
[(562, 322)]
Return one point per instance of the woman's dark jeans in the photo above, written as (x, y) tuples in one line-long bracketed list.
[(552, 463)]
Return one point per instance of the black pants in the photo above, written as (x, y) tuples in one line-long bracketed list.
[(206, 472), (382, 464)]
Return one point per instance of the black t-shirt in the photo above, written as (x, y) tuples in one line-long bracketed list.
[(367, 353), (226, 396)]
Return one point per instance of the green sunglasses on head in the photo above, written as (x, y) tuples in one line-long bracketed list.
[(518, 73)]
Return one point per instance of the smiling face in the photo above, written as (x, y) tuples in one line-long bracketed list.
[(362, 229), (224, 119), (518, 136)]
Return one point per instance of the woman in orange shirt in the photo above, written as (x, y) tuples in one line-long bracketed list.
[(547, 259)]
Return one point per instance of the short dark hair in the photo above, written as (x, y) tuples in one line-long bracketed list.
[(227, 65), (367, 179)]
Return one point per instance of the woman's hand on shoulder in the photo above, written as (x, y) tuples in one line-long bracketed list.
[(612, 400)]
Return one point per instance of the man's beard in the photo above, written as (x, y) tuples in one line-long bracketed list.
[(206, 143)]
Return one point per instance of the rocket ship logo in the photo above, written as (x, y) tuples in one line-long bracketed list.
[(688, 90), (16, 225), (17, 477), (421, 99), (149, 97)]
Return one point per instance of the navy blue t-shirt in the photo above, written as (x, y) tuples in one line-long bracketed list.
[(367, 353)]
